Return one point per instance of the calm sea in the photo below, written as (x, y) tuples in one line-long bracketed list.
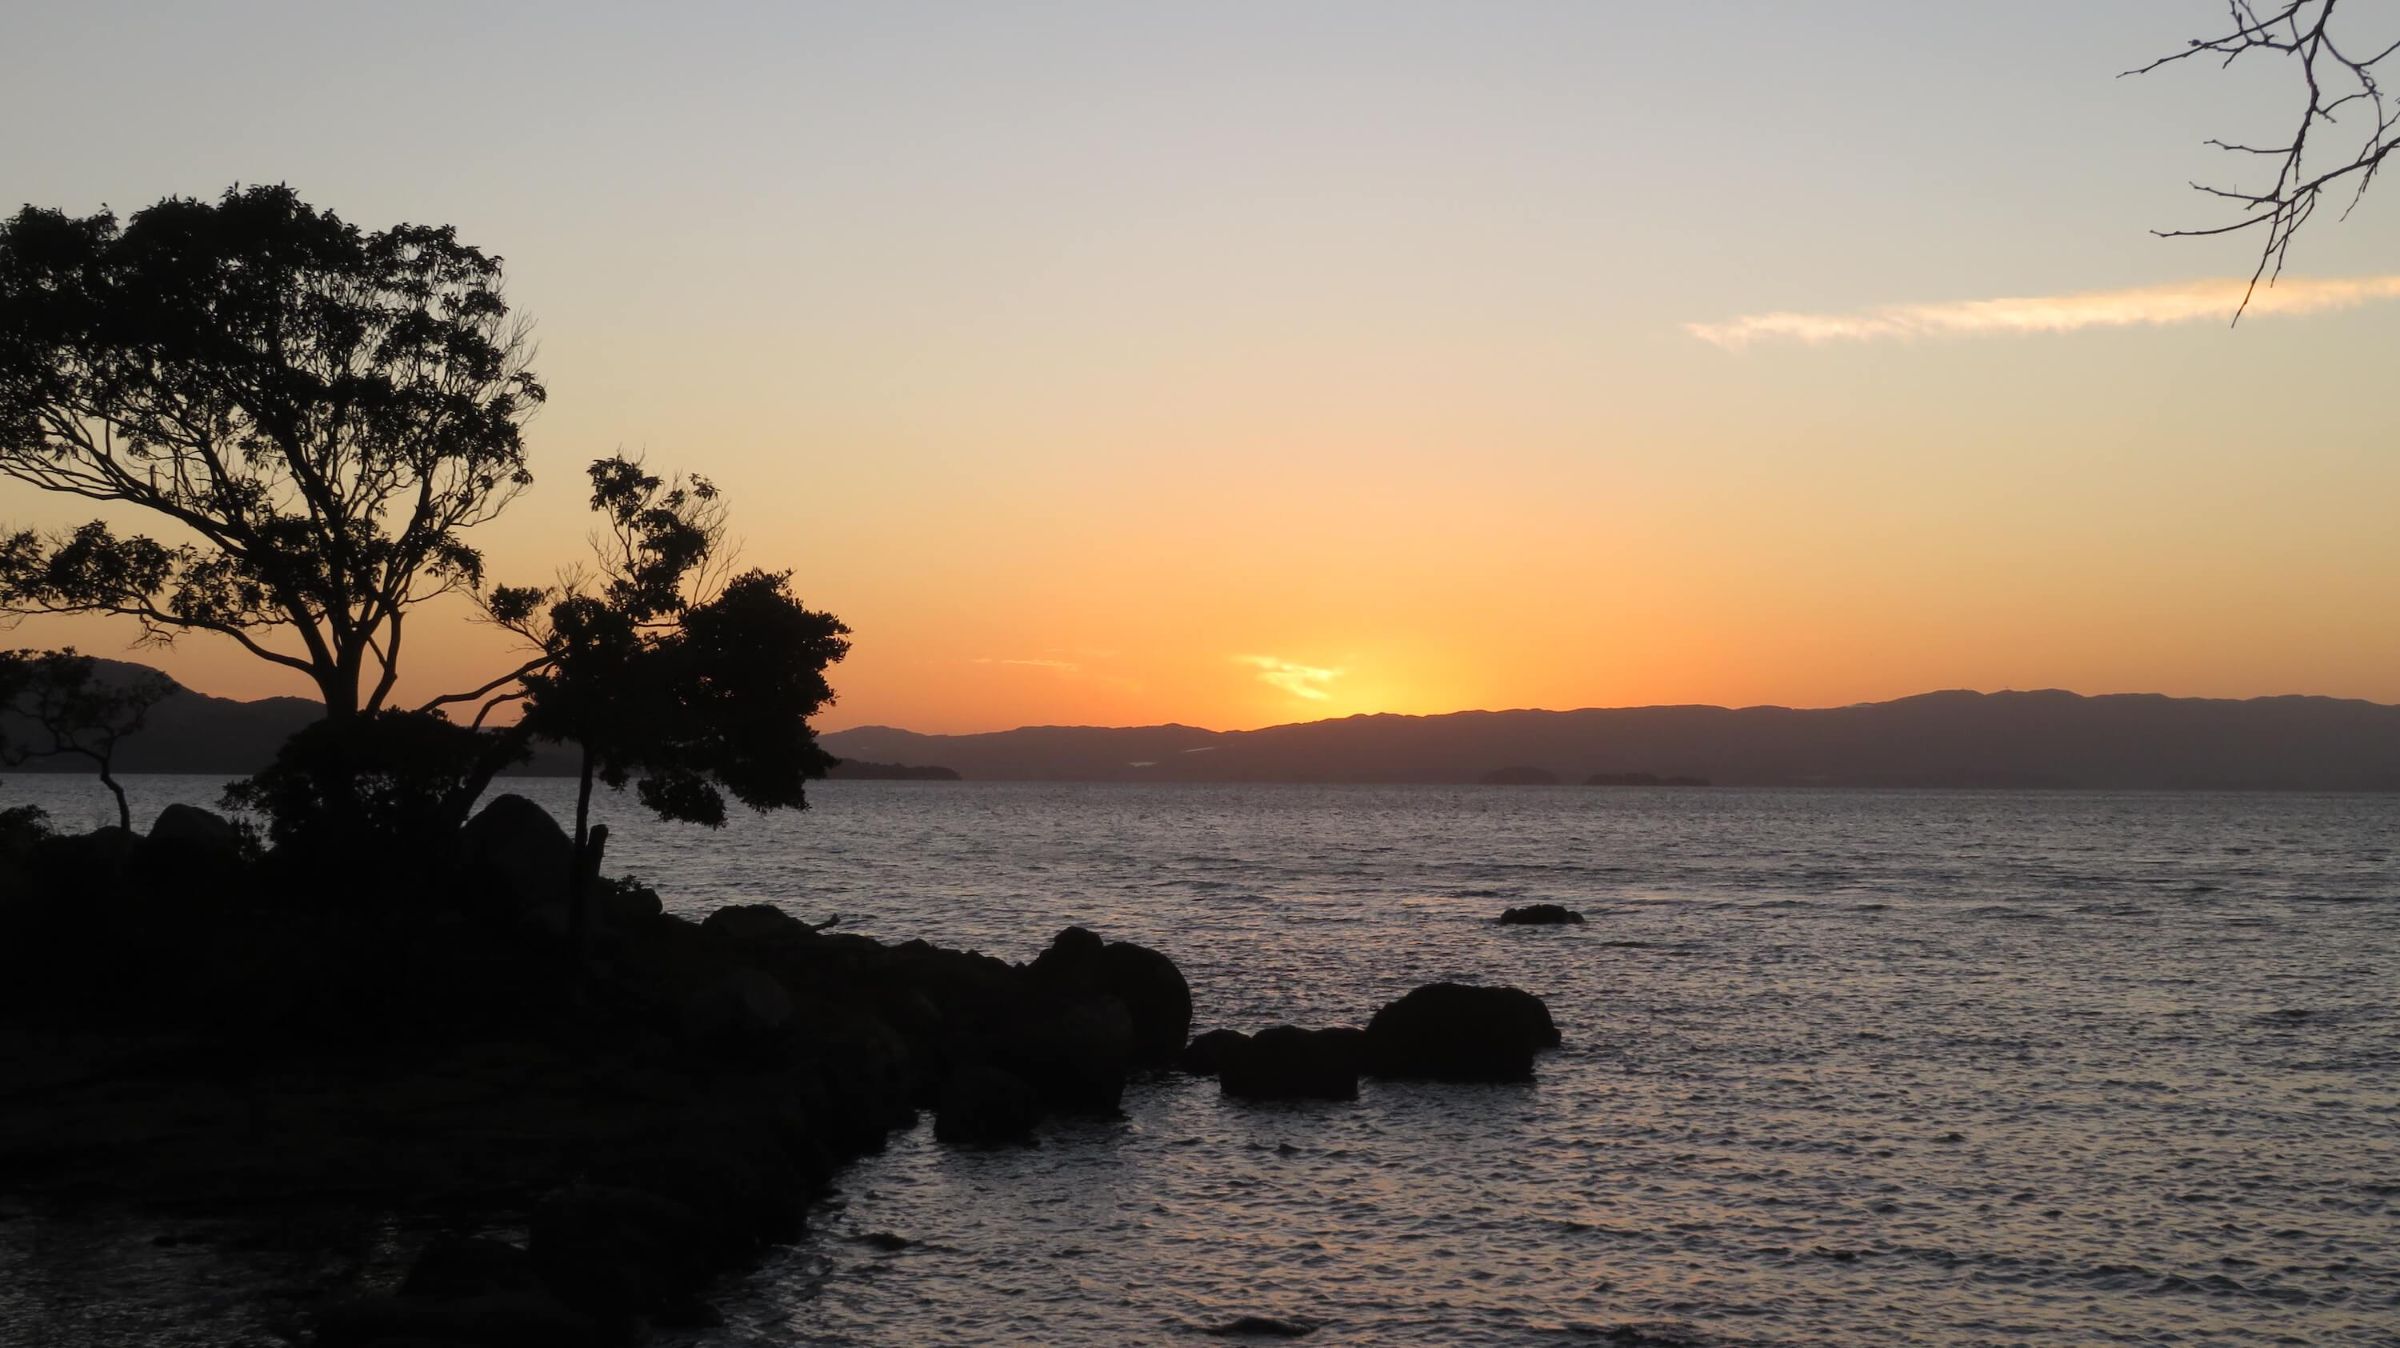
[(1840, 1066)]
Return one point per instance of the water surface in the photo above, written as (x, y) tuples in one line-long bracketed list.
[(1840, 1066)]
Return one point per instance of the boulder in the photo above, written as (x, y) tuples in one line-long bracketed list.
[(746, 922), (615, 1251), (1155, 995), (1458, 1032), (738, 1013), (1285, 1062), (459, 1266), (983, 1106), (1072, 959), (1540, 915), (518, 846), (733, 1180), (1073, 1051), (1206, 1053), (184, 825), (1153, 990)]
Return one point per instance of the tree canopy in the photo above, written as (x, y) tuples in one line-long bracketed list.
[(666, 673), (320, 413)]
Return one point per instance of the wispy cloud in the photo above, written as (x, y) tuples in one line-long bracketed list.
[(2213, 300), (1302, 681)]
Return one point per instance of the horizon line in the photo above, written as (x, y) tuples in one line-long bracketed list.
[(1644, 706)]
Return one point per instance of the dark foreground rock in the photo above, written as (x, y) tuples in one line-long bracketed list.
[(1458, 1032), (190, 826), (1284, 1062), (984, 1106), (1157, 1000), (1540, 915), (234, 1038)]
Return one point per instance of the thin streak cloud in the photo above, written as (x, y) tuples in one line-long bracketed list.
[(2212, 300), (1301, 681)]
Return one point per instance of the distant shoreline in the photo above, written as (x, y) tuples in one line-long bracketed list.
[(2046, 740)]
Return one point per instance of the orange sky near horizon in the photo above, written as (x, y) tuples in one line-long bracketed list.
[(1257, 366)]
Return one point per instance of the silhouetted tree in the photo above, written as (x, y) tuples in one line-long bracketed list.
[(68, 708), (662, 672), (383, 786), (319, 413), (2338, 75)]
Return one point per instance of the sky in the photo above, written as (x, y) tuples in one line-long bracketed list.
[(1256, 362)]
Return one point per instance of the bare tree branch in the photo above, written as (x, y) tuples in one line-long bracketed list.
[(2343, 94)]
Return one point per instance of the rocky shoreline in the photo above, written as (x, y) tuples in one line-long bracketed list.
[(571, 1155)]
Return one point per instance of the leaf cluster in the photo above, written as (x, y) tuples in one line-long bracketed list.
[(323, 412), (669, 675)]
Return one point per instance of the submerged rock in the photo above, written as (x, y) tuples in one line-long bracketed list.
[(1285, 1062), (1260, 1326), (1540, 915), (1459, 1032)]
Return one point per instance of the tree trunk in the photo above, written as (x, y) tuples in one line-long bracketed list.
[(124, 811), (579, 879), (337, 684)]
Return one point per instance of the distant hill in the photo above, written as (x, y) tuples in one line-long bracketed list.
[(193, 732), (1953, 739), (1956, 739)]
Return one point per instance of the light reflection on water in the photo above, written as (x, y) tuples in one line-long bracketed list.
[(1840, 1066)]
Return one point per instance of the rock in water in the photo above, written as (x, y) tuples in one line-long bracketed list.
[(1206, 1053), (613, 1252), (1155, 995), (520, 847), (1285, 1062), (1457, 1032), (1072, 1050), (1541, 915), (983, 1106), (1260, 1326), (190, 826), (1153, 990)]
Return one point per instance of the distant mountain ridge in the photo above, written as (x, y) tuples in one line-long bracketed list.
[(191, 732), (2133, 741)]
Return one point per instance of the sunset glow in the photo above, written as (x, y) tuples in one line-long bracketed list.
[(1086, 392)]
